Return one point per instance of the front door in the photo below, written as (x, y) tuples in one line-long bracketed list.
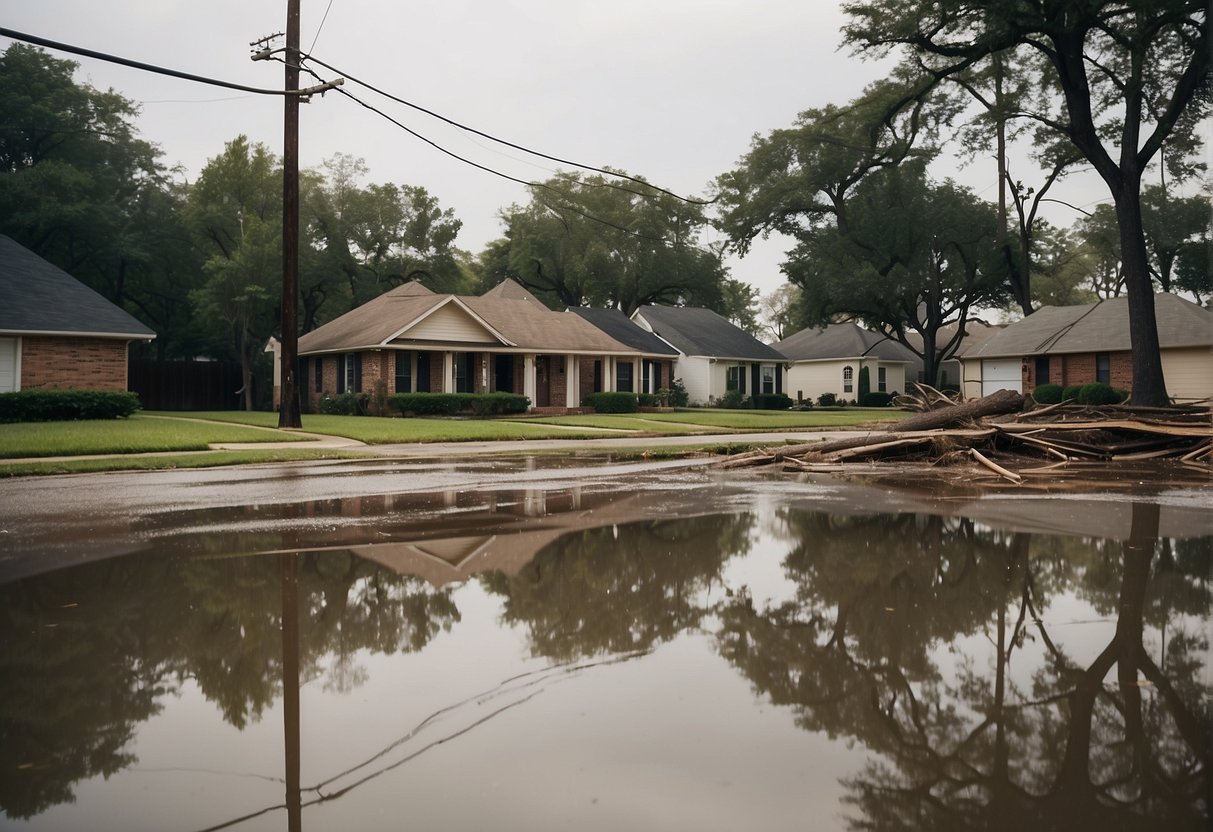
[(543, 373), (503, 374)]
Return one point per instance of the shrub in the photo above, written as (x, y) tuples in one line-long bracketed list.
[(772, 401), (451, 404), (1047, 394), (677, 394), (66, 405), (875, 399), (732, 400), (1070, 393), (345, 404), (827, 400), (612, 402), (649, 399), (1098, 393)]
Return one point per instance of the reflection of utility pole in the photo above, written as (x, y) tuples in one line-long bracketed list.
[(290, 687), (288, 406)]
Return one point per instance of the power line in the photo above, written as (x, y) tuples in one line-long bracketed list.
[(493, 138), (320, 28), (159, 70)]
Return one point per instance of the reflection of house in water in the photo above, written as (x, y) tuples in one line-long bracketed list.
[(503, 531)]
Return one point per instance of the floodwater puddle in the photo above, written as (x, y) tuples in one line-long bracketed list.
[(530, 646)]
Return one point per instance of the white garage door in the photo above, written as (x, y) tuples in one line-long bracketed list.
[(8, 365), (1000, 374)]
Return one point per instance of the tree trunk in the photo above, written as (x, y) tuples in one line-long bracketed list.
[(1004, 401), (1149, 386)]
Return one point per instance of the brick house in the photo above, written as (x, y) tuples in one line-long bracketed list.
[(413, 340), (55, 332), (1069, 345)]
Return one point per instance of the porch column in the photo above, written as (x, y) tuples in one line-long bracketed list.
[(448, 372), (608, 374), (572, 381), (485, 359), (528, 377)]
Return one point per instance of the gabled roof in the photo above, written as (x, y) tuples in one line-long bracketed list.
[(509, 315), (624, 330), (38, 297), (701, 332), (842, 341), (1096, 327)]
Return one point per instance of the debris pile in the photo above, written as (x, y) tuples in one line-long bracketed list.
[(1007, 436)]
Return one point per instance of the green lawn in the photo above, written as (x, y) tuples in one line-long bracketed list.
[(139, 434), (706, 419), (619, 422), (379, 431)]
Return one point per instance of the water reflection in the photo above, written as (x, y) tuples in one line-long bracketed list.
[(942, 646)]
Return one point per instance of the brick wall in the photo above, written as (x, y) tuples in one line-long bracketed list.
[(587, 380), (82, 363), (436, 377), (1079, 368)]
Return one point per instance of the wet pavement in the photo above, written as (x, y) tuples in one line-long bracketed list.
[(561, 642)]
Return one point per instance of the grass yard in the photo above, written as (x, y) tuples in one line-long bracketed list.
[(139, 434), (628, 422), (703, 420), (379, 431)]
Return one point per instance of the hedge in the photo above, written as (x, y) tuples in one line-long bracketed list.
[(1047, 394), (771, 401), (875, 399), (345, 404), (66, 405), (612, 402), (1070, 393), (1099, 393), (451, 404)]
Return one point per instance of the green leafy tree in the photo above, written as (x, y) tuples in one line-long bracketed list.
[(1130, 76), (1172, 224), (235, 214), (585, 241)]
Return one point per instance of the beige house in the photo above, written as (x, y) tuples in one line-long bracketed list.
[(1069, 345), (410, 339), (829, 360)]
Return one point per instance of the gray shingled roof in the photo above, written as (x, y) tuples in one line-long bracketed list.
[(696, 331), (37, 296), (1097, 327), (841, 341), (624, 330)]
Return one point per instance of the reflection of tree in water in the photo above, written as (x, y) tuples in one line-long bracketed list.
[(620, 589), (858, 654), (89, 652)]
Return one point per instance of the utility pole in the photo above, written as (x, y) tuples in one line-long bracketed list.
[(288, 405)]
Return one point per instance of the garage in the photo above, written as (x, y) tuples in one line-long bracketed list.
[(1001, 374)]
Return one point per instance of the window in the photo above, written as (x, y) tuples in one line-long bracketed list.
[(735, 378), (623, 377), (404, 372), (1103, 367), (423, 372), (318, 372), (768, 379), (881, 379), (352, 375), (848, 379)]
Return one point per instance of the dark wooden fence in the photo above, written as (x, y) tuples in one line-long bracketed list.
[(188, 385)]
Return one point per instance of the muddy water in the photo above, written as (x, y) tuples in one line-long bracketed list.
[(522, 646)]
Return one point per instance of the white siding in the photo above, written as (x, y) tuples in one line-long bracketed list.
[(696, 375), (814, 378), (10, 377), (1188, 373), (449, 324)]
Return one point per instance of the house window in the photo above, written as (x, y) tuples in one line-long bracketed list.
[(404, 372), (735, 378), (318, 372), (768, 379), (352, 373), (623, 377), (882, 379), (848, 379), (1103, 367)]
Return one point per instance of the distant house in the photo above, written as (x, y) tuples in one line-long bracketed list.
[(949, 369), (829, 360), (656, 371), (1070, 345), (55, 332), (413, 340), (714, 356)]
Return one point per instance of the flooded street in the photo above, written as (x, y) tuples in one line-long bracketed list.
[(556, 643)]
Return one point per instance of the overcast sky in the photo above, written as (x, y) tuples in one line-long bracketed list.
[(669, 89)]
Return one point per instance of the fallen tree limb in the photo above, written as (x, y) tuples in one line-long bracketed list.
[(1004, 401), (995, 467)]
